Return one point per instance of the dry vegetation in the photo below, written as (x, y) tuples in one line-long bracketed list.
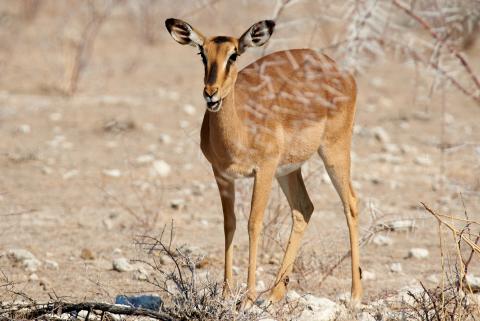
[(85, 62)]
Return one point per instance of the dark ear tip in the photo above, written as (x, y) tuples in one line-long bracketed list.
[(270, 25), (169, 23)]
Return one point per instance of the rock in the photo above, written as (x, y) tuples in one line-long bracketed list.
[(177, 204), (24, 129), (165, 259), (292, 296), (473, 281), (70, 174), (165, 139), (20, 255), (87, 254), (418, 253), (423, 160), (390, 148), (401, 225), (25, 258), (189, 109), (161, 168), (52, 265), (382, 240), (184, 124), (344, 297), (122, 265), (33, 277), (112, 172), (318, 309), (367, 275), (144, 159), (140, 274), (381, 135), (31, 265), (396, 267)]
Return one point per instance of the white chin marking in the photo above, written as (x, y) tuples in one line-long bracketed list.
[(214, 106)]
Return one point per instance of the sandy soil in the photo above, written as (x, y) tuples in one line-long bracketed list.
[(71, 177)]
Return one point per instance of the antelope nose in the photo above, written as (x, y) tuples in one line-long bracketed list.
[(209, 92)]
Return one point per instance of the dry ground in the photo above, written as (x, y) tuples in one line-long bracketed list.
[(56, 199)]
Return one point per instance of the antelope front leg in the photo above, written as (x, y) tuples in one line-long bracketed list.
[(261, 192), (226, 188)]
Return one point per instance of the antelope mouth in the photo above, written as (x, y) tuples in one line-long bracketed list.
[(214, 106)]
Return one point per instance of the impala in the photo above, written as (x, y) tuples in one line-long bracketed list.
[(264, 122)]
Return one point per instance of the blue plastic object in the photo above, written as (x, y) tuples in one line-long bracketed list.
[(150, 302)]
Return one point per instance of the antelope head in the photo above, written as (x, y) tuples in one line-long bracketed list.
[(219, 55)]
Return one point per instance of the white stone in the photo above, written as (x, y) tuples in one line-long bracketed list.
[(177, 204), (24, 129), (401, 225), (423, 160), (20, 255), (161, 168), (122, 265), (33, 277), (112, 172), (189, 109), (418, 253), (292, 296), (318, 309), (52, 265), (381, 135), (140, 274), (144, 159), (165, 139), (31, 265), (70, 174), (367, 275), (382, 240), (396, 267), (473, 281)]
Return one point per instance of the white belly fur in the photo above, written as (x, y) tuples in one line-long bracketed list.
[(286, 169)]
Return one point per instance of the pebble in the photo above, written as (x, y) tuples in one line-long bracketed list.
[(367, 275), (144, 159), (122, 265), (165, 139), (382, 240), (140, 274), (423, 160), (161, 168), (396, 267), (177, 204), (112, 172), (318, 309), (19, 255), (401, 225), (33, 277), (70, 174), (24, 129), (418, 253), (189, 109), (31, 265), (52, 265), (473, 281), (381, 135)]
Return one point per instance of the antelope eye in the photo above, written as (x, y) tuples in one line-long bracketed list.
[(233, 57)]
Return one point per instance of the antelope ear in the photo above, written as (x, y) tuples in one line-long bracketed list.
[(257, 35), (183, 33)]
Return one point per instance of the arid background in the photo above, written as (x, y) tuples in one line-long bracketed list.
[(88, 168)]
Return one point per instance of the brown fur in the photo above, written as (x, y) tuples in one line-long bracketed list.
[(275, 114)]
